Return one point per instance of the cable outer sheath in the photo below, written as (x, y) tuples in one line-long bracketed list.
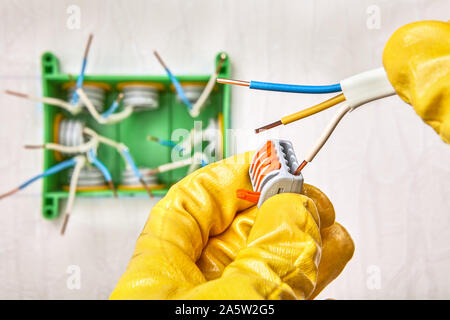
[(366, 86), (175, 165), (55, 102), (85, 147), (79, 163), (199, 104), (116, 145)]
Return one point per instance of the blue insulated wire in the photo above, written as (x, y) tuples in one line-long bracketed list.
[(131, 162), (294, 88), (111, 109), (179, 89), (100, 166), (167, 143), (80, 80), (170, 144), (52, 170)]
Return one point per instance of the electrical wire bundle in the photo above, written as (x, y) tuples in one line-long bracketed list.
[(122, 149), (76, 145), (211, 135), (96, 93), (72, 106), (71, 132), (81, 96), (191, 92), (355, 91), (72, 141)]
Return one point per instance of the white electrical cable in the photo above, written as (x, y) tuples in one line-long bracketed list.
[(70, 139), (197, 160), (74, 110), (193, 162), (202, 99), (113, 118), (80, 162), (95, 94), (366, 86), (200, 103), (358, 90), (174, 165), (117, 145), (327, 132), (60, 103), (82, 148)]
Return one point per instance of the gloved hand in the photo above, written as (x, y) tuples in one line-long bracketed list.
[(202, 242), (417, 61)]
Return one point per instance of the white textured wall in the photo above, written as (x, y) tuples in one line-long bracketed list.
[(386, 172)]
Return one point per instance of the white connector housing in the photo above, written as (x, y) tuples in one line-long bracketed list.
[(365, 87), (276, 181)]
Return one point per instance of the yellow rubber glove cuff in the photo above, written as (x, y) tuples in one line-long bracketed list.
[(417, 61), (268, 253)]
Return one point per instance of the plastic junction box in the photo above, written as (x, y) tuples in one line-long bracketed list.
[(171, 114)]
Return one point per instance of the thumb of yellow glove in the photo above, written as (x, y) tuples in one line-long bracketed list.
[(281, 258), (337, 245), (417, 61)]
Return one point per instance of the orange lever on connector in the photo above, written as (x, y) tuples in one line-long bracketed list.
[(251, 196)]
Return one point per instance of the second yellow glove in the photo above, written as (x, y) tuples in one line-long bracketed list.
[(417, 61)]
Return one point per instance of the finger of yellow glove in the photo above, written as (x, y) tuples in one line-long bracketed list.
[(201, 205), (223, 249), (337, 250), (324, 205), (281, 258), (417, 62)]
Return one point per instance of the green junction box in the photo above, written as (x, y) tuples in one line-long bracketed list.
[(170, 115)]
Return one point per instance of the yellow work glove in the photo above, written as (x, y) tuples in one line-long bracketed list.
[(417, 61), (202, 242)]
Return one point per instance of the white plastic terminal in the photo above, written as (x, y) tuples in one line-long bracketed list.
[(365, 87), (272, 168)]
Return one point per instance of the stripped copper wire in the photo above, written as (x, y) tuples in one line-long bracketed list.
[(300, 167), (235, 82)]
